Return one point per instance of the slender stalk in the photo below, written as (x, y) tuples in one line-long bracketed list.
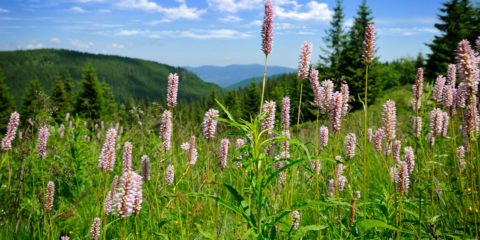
[(365, 106), (263, 83), (300, 104), (136, 227)]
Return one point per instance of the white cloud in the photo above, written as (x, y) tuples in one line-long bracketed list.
[(31, 45), (3, 10), (406, 31), (196, 34), (235, 5), (256, 23), (180, 12), (405, 21), (230, 18), (78, 9), (79, 44), (117, 45), (313, 11), (55, 40)]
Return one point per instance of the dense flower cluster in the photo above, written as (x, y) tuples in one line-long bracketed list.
[(210, 124), (267, 28), (304, 60), (11, 131), (106, 161), (172, 90), (368, 44), (43, 135), (166, 129), (223, 153), (49, 196), (127, 200)]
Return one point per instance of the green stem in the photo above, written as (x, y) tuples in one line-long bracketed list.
[(300, 104), (263, 83), (365, 125)]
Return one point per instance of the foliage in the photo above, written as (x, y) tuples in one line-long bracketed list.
[(6, 102)]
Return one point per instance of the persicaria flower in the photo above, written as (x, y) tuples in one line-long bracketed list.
[(286, 112), (127, 157), (418, 90), (345, 97), (169, 175), (350, 141), (368, 44), (110, 196), (461, 95), (323, 136), (357, 194), (417, 126), (438, 88), (448, 95), (336, 111), (317, 101), (409, 158), (445, 121), (269, 119), (326, 93), (145, 168), (461, 157), (467, 65), (223, 153), (279, 164), (396, 150), (42, 142), (106, 161), (128, 197), (210, 124), (267, 28), (166, 129), (49, 196), (342, 180), (331, 187), (369, 135), (402, 179), (389, 117), (239, 144), (378, 139), (304, 60), (11, 131), (436, 122), (95, 229), (172, 90), (451, 75), (296, 219)]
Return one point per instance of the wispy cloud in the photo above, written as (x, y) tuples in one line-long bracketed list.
[(77, 9), (55, 40), (180, 12), (230, 18), (3, 10), (312, 11), (31, 45), (405, 21), (196, 34), (117, 45), (80, 44), (406, 31), (233, 6)]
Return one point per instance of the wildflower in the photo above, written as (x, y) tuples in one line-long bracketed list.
[(317, 101), (396, 150), (378, 139), (345, 97), (106, 161), (417, 126), (279, 164), (461, 95), (42, 142), (127, 157), (137, 195), (49, 196), (350, 141), (369, 135), (210, 124), (316, 166), (448, 94), (368, 44), (471, 125), (323, 136), (342, 180), (95, 229), (357, 194), (127, 198), (11, 131), (166, 129), (267, 28), (286, 113), (445, 121), (389, 120), (223, 153), (467, 65), (331, 187), (431, 139), (409, 158), (269, 120), (172, 90), (451, 75), (296, 219), (338, 158), (436, 122), (402, 178), (169, 175), (336, 111), (418, 90), (461, 157), (240, 143), (145, 168), (438, 88), (110, 196), (326, 93), (304, 60)]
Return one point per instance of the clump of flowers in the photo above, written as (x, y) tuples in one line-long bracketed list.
[(42, 142), (49, 196), (350, 141), (11, 131), (209, 123), (127, 200), (166, 129), (106, 161), (368, 44), (267, 28), (223, 153), (304, 60), (172, 90)]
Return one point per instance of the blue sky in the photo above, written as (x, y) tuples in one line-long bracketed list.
[(205, 32)]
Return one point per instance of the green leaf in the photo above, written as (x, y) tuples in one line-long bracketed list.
[(204, 233), (368, 224), (289, 165), (304, 230)]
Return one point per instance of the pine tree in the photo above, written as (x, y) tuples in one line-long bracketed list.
[(232, 103), (251, 101), (60, 99), (7, 105), (335, 44), (90, 101), (459, 21), (420, 61), (352, 65), (68, 84), (35, 104)]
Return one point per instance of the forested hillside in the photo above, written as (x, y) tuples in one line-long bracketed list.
[(128, 78)]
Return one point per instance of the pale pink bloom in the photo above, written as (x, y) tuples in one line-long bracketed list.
[(296, 219), (396, 150), (357, 194), (11, 131), (316, 167), (110, 196), (172, 90), (331, 187), (436, 122), (323, 136), (368, 44), (95, 229), (448, 94), (345, 97), (418, 90), (145, 168), (128, 196), (269, 119), (389, 118), (240, 143), (166, 129), (304, 60), (342, 180), (438, 88), (43, 135), (369, 135), (317, 101), (127, 157), (409, 158), (336, 111), (350, 141), (286, 112), (49, 196), (223, 153), (417, 126), (452, 75), (402, 178), (461, 95), (461, 157), (378, 139), (326, 93), (169, 175), (209, 123), (472, 120), (467, 65), (106, 161), (445, 121), (267, 28)]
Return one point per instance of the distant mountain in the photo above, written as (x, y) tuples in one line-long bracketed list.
[(231, 74), (248, 81), (127, 77)]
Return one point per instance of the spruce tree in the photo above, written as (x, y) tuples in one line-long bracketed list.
[(335, 42), (420, 61), (35, 104), (251, 101), (459, 21), (68, 84), (90, 101), (352, 65), (60, 99), (7, 105), (232, 103)]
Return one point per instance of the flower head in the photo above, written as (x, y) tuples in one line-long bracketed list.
[(127, 157), (267, 28), (49, 196), (145, 168), (304, 60), (438, 88), (296, 219), (240, 142), (323, 136), (110, 196), (369, 135), (210, 124), (326, 93), (286, 113), (418, 90), (378, 139), (166, 129), (451, 75), (11, 130), (317, 101), (42, 142), (409, 158), (336, 111), (269, 119), (172, 90), (368, 44), (389, 117), (169, 175), (396, 150), (467, 65), (106, 161), (350, 141), (95, 229), (128, 198), (223, 153)]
